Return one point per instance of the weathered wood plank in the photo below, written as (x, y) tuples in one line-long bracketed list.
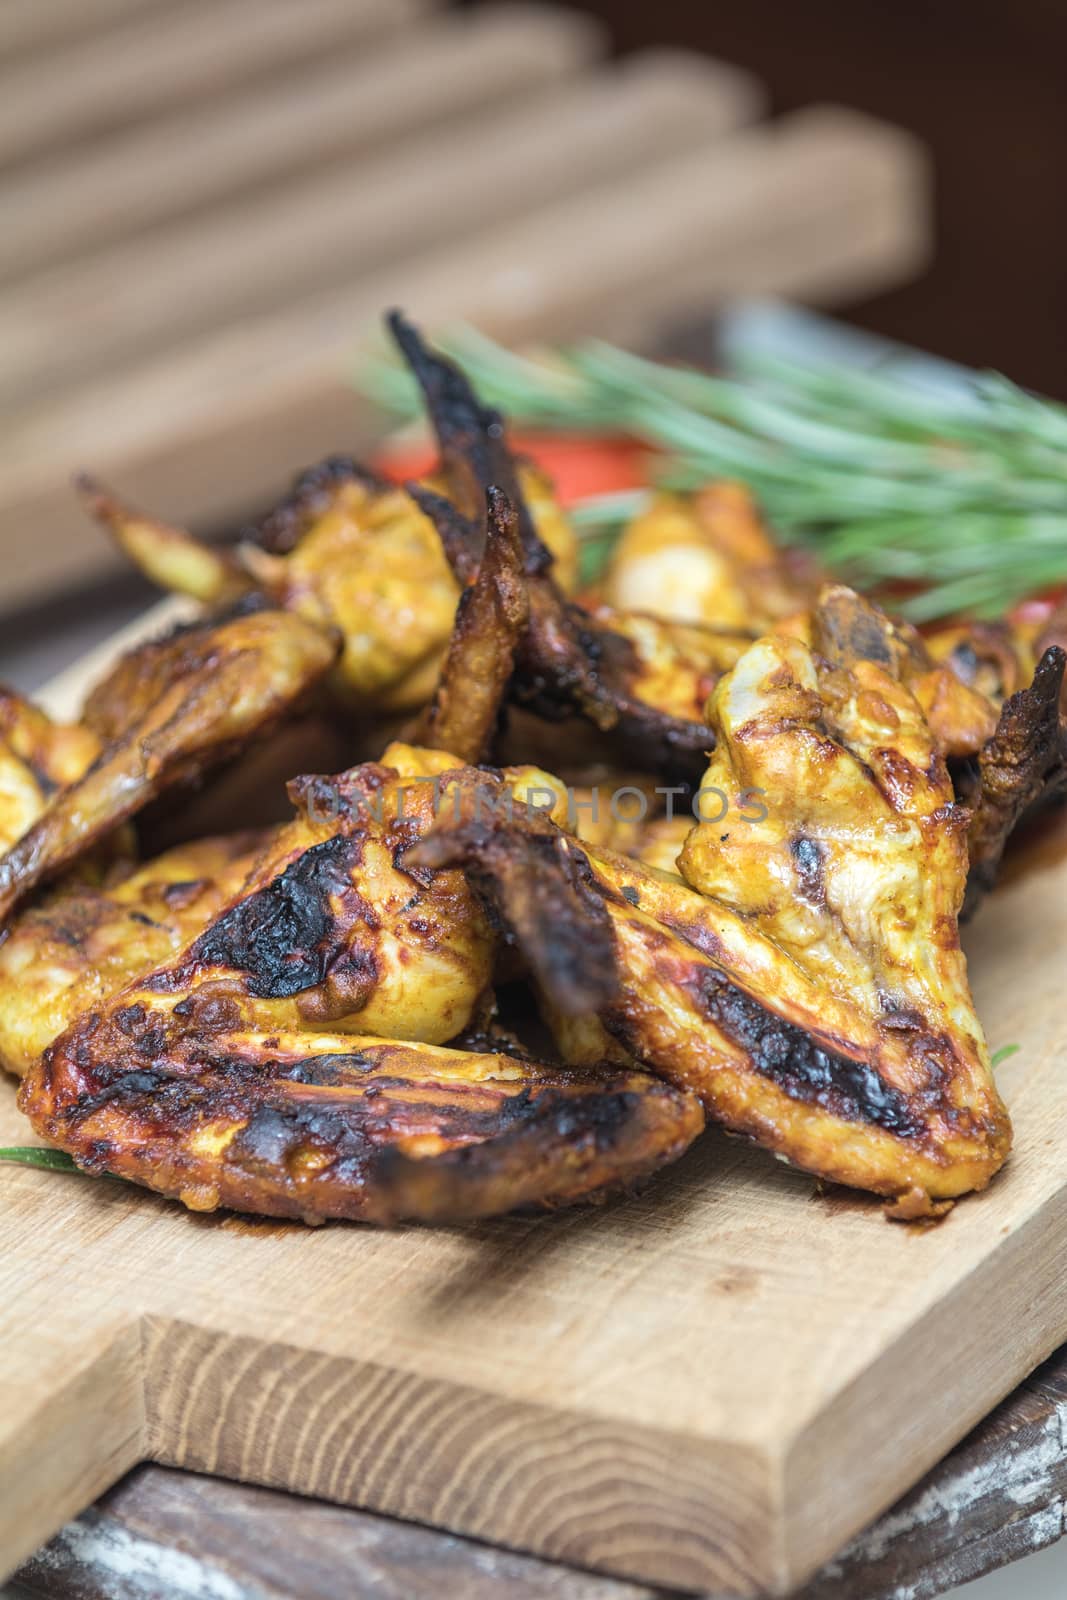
[(259, 1543), (996, 1498)]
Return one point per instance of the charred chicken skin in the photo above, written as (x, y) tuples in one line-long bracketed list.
[(385, 567), (169, 710), (806, 979), (303, 1024), (347, 552), (289, 1060), (83, 942)]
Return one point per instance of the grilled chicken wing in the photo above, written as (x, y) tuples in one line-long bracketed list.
[(570, 662), (355, 1127), (169, 710), (352, 553), (995, 715), (37, 757), (83, 942), (299, 1028), (1022, 766), (347, 551), (806, 981), (491, 618), (708, 558), (288, 1060)]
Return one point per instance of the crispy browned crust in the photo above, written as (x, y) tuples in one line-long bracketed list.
[(847, 629), (1023, 764), (839, 1054), (569, 663), (471, 438), (491, 618), (150, 668), (829, 1103), (314, 493), (362, 1128), (81, 942), (461, 539), (171, 710), (214, 1078), (1008, 754), (538, 881)]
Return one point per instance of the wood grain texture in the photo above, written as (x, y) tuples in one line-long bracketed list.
[(353, 100), (713, 1384), (997, 1497), (814, 206)]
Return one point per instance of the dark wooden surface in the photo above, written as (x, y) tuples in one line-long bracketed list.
[(999, 1496)]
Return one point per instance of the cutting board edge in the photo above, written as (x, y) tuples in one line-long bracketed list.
[(63, 1444), (557, 1481), (1039, 1238)]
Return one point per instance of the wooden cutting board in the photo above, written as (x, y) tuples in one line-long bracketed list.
[(713, 1384)]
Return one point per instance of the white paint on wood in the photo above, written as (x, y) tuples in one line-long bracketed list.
[(138, 1568)]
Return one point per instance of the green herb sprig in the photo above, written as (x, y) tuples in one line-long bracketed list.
[(952, 501), (32, 1155)]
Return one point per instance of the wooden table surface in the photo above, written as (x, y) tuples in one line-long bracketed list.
[(997, 1497)]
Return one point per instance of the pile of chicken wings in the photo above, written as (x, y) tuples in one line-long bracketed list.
[(692, 848)]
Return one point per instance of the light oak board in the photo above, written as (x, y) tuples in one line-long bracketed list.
[(713, 1384)]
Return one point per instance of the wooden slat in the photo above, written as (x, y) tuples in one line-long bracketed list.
[(234, 1540), (170, 55), (823, 203), (344, 105), (35, 24), (338, 226)]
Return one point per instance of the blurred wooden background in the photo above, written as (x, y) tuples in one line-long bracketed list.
[(208, 203)]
